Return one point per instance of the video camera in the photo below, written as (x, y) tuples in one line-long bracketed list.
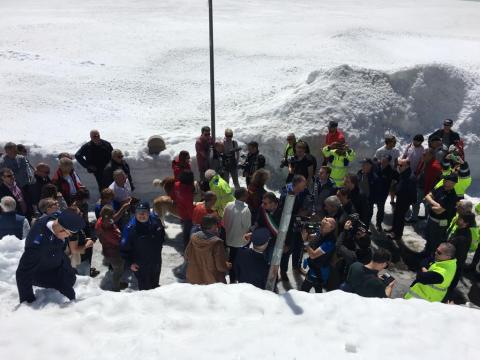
[(357, 224), (306, 223)]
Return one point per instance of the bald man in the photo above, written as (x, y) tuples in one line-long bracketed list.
[(95, 155)]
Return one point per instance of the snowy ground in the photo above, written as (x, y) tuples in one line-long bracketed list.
[(137, 68), (181, 321)]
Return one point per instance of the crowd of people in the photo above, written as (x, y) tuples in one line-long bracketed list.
[(230, 233)]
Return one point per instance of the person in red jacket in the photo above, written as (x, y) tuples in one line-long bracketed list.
[(109, 235), (204, 208), (428, 173), (181, 163), (334, 135), (203, 147), (66, 180), (182, 196)]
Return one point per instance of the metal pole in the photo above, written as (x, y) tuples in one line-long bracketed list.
[(280, 243), (212, 75)]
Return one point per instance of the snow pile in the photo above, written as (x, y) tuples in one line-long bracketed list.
[(368, 103), (181, 321)]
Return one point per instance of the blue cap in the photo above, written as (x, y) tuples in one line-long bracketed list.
[(260, 236), (71, 221), (143, 206)]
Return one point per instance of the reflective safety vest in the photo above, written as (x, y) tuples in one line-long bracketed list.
[(474, 231), (338, 163), (477, 209), (223, 191), (435, 292), (460, 187), (289, 151)]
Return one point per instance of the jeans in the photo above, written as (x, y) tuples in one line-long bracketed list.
[(416, 206)]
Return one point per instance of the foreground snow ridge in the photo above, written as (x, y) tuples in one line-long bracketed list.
[(181, 321)]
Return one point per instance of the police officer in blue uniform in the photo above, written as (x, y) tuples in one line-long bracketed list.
[(44, 262), (141, 246)]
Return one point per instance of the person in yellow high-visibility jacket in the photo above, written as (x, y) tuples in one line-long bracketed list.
[(464, 178), (432, 283), (339, 160), (221, 188)]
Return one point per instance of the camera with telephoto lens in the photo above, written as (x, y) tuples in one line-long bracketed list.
[(306, 223), (285, 162), (357, 224)]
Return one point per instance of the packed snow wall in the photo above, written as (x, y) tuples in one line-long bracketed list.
[(366, 103)]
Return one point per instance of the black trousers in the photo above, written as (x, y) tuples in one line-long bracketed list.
[(367, 213), (186, 231), (232, 254), (434, 234), (99, 178), (399, 213), (148, 276), (310, 283), (295, 244), (380, 211)]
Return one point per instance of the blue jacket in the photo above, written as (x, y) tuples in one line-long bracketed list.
[(142, 242), (11, 224), (44, 263)]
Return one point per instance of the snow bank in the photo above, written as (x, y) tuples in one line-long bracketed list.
[(367, 104), (181, 321)]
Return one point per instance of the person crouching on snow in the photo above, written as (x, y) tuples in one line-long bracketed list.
[(205, 255), (44, 262)]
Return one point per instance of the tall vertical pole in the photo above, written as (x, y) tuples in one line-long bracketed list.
[(280, 243), (212, 74)]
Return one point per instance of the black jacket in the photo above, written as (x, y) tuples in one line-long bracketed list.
[(36, 189), (91, 155), (365, 282), (386, 176), (453, 137), (107, 177), (142, 242), (251, 267), (253, 163), (406, 190)]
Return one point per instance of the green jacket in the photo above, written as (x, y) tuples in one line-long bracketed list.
[(223, 191), (435, 292), (338, 163)]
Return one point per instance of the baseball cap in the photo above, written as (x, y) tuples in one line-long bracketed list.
[(71, 221), (143, 206), (260, 236), (448, 122)]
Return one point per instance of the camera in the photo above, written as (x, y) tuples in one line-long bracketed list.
[(387, 279), (306, 223), (357, 224), (285, 162), (242, 163)]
